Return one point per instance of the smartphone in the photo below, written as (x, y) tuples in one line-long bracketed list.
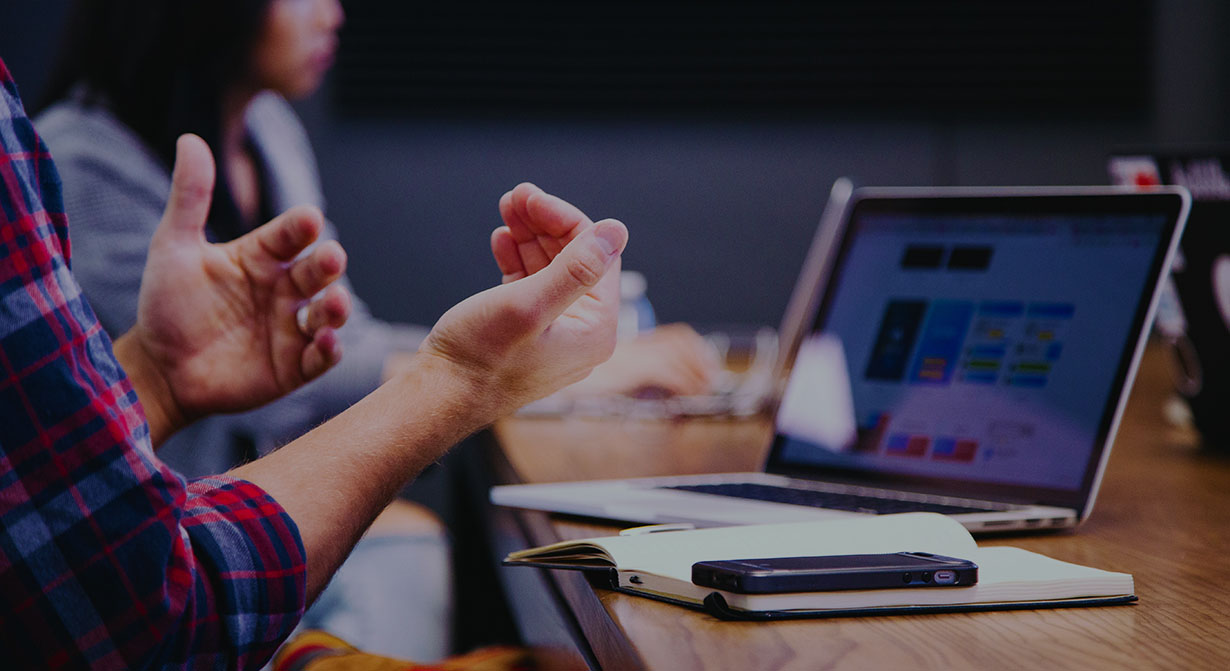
[(835, 572)]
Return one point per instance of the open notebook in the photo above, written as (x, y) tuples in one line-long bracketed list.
[(658, 565)]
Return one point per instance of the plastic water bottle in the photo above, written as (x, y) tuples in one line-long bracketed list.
[(635, 311)]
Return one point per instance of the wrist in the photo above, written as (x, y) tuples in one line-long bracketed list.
[(162, 411), (470, 398)]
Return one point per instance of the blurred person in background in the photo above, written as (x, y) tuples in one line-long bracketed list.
[(134, 75)]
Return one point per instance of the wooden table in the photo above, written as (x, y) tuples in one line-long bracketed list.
[(1163, 515)]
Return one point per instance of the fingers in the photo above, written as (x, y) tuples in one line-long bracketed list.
[(321, 354), (318, 322), (319, 269), (513, 212), (533, 256), (286, 235), (528, 253), (540, 224), (504, 249), (330, 310), (554, 216), (579, 269), (192, 187)]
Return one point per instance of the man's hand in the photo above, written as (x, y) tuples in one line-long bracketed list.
[(536, 228), (673, 359), (219, 327), (554, 317)]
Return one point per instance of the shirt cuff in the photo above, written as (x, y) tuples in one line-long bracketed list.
[(252, 571)]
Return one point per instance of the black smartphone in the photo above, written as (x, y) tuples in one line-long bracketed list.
[(835, 572)]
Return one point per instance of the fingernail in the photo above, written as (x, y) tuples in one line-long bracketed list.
[(609, 238)]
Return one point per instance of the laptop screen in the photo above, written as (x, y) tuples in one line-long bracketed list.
[(976, 344)]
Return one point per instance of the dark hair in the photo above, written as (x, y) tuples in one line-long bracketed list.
[(162, 67)]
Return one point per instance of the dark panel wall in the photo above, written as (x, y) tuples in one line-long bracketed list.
[(970, 58), (720, 211), (28, 33)]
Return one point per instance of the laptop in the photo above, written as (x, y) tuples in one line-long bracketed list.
[(963, 351)]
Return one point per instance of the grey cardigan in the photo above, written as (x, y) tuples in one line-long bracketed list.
[(115, 189)]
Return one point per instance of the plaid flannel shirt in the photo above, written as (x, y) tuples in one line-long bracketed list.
[(109, 559)]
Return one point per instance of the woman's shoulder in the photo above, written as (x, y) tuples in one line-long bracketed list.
[(271, 120), (89, 141), (283, 143)]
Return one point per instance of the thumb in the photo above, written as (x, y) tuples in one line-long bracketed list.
[(579, 268), (192, 187)]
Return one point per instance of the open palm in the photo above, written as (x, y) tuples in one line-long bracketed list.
[(219, 321)]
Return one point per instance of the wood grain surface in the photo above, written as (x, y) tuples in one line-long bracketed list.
[(1163, 515)]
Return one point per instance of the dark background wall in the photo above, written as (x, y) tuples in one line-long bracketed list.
[(721, 195)]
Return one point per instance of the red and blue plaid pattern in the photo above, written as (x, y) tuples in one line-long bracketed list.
[(109, 559)]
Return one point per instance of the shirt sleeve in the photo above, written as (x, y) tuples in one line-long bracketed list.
[(109, 559)]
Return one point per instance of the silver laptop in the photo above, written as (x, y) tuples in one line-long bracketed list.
[(962, 351)]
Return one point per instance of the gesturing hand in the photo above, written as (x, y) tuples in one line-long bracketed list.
[(217, 326), (672, 358), (554, 317), (536, 228)]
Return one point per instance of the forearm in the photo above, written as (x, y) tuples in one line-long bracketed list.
[(334, 480)]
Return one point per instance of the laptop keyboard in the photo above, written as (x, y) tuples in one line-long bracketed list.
[(833, 500)]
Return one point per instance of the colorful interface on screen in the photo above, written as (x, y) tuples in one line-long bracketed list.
[(974, 347)]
